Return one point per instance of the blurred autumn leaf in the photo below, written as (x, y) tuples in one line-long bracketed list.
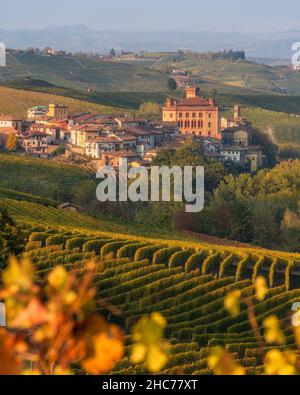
[(148, 344), (222, 363), (273, 333), (232, 303), (51, 324), (261, 288)]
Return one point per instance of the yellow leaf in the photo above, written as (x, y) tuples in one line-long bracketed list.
[(261, 289), (273, 333), (18, 276), (232, 303), (161, 321), (108, 349), (156, 359), (222, 363), (138, 353), (57, 277), (148, 342), (280, 363)]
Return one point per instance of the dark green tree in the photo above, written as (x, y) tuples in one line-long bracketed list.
[(112, 52), (270, 149), (172, 84)]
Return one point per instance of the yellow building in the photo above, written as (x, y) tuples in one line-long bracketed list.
[(57, 111), (194, 115)]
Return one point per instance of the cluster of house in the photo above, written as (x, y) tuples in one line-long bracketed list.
[(222, 139), (109, 139), (105, 139)]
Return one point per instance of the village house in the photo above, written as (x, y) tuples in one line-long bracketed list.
[(115, 159), (69, 207), (237, 136), (150, 155), (124, 122), (237, 121), (209, 144), (54, 133), (36, 144), (194, 115), (83, 133), (252, 156), (146, 137), (8, 121), (109, 143), (37, 112), (84, 118)]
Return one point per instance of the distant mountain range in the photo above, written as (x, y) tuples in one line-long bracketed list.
[(81, 38)]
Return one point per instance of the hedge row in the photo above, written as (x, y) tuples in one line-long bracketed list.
[(146, 252), (179, 258), (195, 261), (129, 250), (163, 255), (111, 248)]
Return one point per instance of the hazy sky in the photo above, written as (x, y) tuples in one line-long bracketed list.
[(216, 15)]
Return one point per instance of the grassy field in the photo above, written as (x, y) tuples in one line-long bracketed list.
[(83, 73), (121, 100), (16, 102), (184, 280), (281, 127), (239, 74)]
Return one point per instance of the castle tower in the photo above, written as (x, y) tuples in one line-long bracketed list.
[(57, 111), (191, 91), (237, 113)]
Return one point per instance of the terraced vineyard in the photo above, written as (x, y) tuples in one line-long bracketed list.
[(185, 281)]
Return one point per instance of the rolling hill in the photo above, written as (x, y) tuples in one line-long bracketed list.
[(282, 128), (84, 73), (239, 74), (184, 280), (81, 38), (145, 270), (16, 102)]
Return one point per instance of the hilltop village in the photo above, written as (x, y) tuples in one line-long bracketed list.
[(50, 131)]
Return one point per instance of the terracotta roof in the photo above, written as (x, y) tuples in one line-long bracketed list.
[(139, 130), (128, 120), (83, 117), (33, 135), (8, 130), (103, 139), (237, 129), (9, 118), (125, 136), (87, 128), (195, 101), (240, 148)]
